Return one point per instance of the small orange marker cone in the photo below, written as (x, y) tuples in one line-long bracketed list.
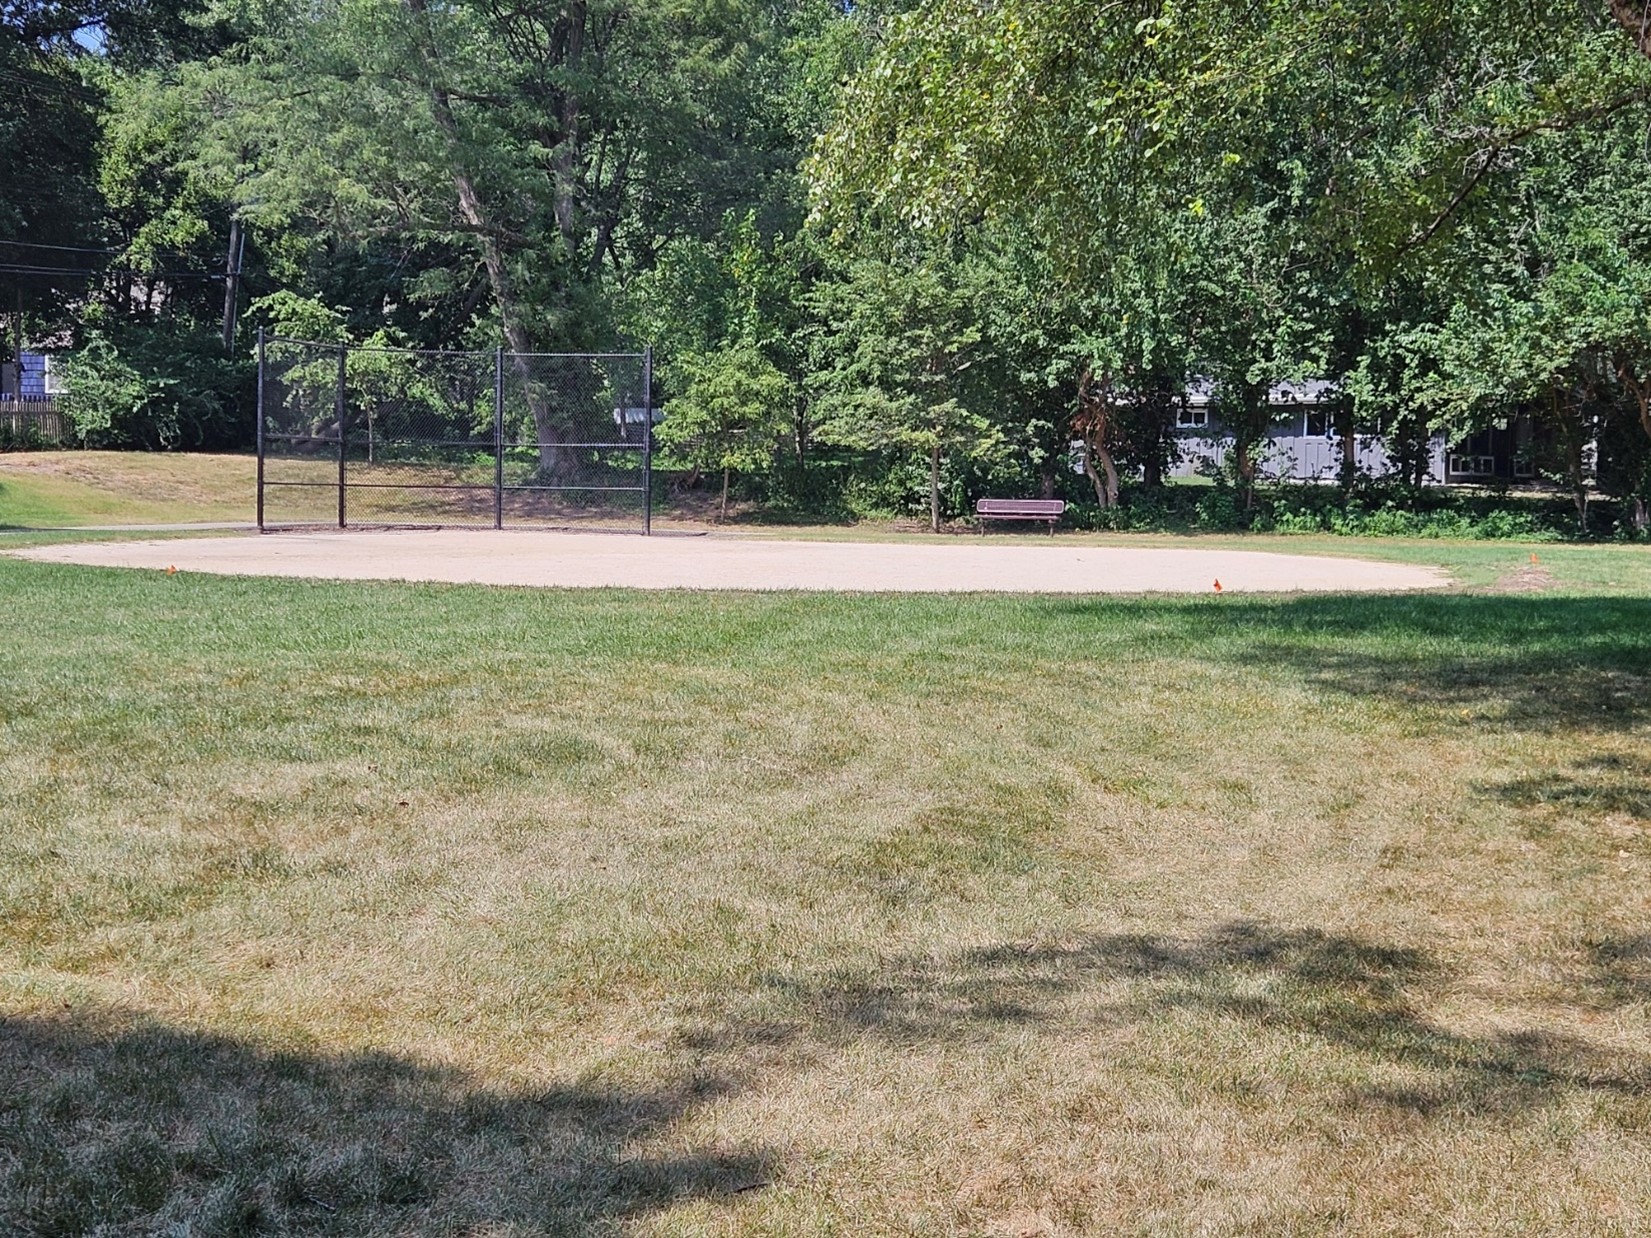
[(170, 570), (1533, 556), (1218, 586)]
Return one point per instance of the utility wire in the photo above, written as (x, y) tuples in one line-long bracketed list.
[(45, 82), (81, 249), (7, 268), (65, 249)]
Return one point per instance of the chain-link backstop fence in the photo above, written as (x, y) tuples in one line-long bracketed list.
[(375, 436)]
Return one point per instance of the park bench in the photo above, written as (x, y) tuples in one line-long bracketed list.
[(1047, 510)]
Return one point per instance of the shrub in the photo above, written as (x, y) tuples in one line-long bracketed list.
[(1371, 511), (158, 390), (1218, 511)]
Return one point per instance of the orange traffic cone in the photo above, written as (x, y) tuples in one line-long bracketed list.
[(1218, 586)]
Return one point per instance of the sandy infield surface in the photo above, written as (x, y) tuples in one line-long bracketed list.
[(593, 560)]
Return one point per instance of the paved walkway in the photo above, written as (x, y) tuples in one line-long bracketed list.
[(586, 560)]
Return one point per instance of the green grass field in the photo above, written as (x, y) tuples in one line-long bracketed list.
[(385, 909), (68, 488)]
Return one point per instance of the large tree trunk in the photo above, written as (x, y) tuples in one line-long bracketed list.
[(1634, 16), (1160, 405), (1640, 389), (1571, 433), (512, 315), (1105, 481), (1244, 466), (232, 276), (1152, 463), (1094, 424), (1255, 419), (565, 159)]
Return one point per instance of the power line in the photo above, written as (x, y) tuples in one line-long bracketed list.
[(80, 249), (66, 249), (15, 268), (40, 81), (8, 268)]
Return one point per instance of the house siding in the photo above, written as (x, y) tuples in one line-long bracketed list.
[(1287, 454)]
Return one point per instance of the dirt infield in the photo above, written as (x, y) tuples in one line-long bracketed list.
[(585, 560)]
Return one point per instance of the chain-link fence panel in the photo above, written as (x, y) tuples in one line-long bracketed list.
[(375, 436), (419, 437), (300, 441), (574, 440)]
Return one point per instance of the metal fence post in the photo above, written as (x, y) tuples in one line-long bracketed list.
[(260, 406), (648, 441), (498, 437), (343, 353)]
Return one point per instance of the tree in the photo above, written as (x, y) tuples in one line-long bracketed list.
[(732, 416), (894, 358), (48, 134), (1550, 299), (1064, 111), (1255, 289), (555, 146), (1330, 154), (736, 292)]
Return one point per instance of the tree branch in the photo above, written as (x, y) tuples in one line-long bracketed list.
[(1635, 19), (1490, 154)]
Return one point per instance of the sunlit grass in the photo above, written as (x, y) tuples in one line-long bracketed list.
[(67, 488), (387, 908)]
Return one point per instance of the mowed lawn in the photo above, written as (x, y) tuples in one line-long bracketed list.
[(386, 909), (59, 489)]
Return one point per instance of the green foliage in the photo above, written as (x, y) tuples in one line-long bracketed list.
[(1393, 520), (733, 415), (1373, 511), (158, 391), (169, 208), (891, 254), (534, 154), (1442, 205), (297, 317), (896, 365)]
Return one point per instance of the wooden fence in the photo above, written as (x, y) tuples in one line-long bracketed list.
[(33, 423)]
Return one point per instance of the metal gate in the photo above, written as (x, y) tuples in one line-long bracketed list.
[(358, 436)]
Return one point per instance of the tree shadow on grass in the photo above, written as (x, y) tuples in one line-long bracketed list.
[(120, 1124), (1336, 991), (137, 1128), (1536, 662), (1604, 783), (1622, 968)]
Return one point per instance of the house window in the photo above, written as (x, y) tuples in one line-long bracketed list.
[(1192, 417), (1462, 465), (1317, 422)]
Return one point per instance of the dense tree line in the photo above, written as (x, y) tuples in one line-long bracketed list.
[(890, 254)]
